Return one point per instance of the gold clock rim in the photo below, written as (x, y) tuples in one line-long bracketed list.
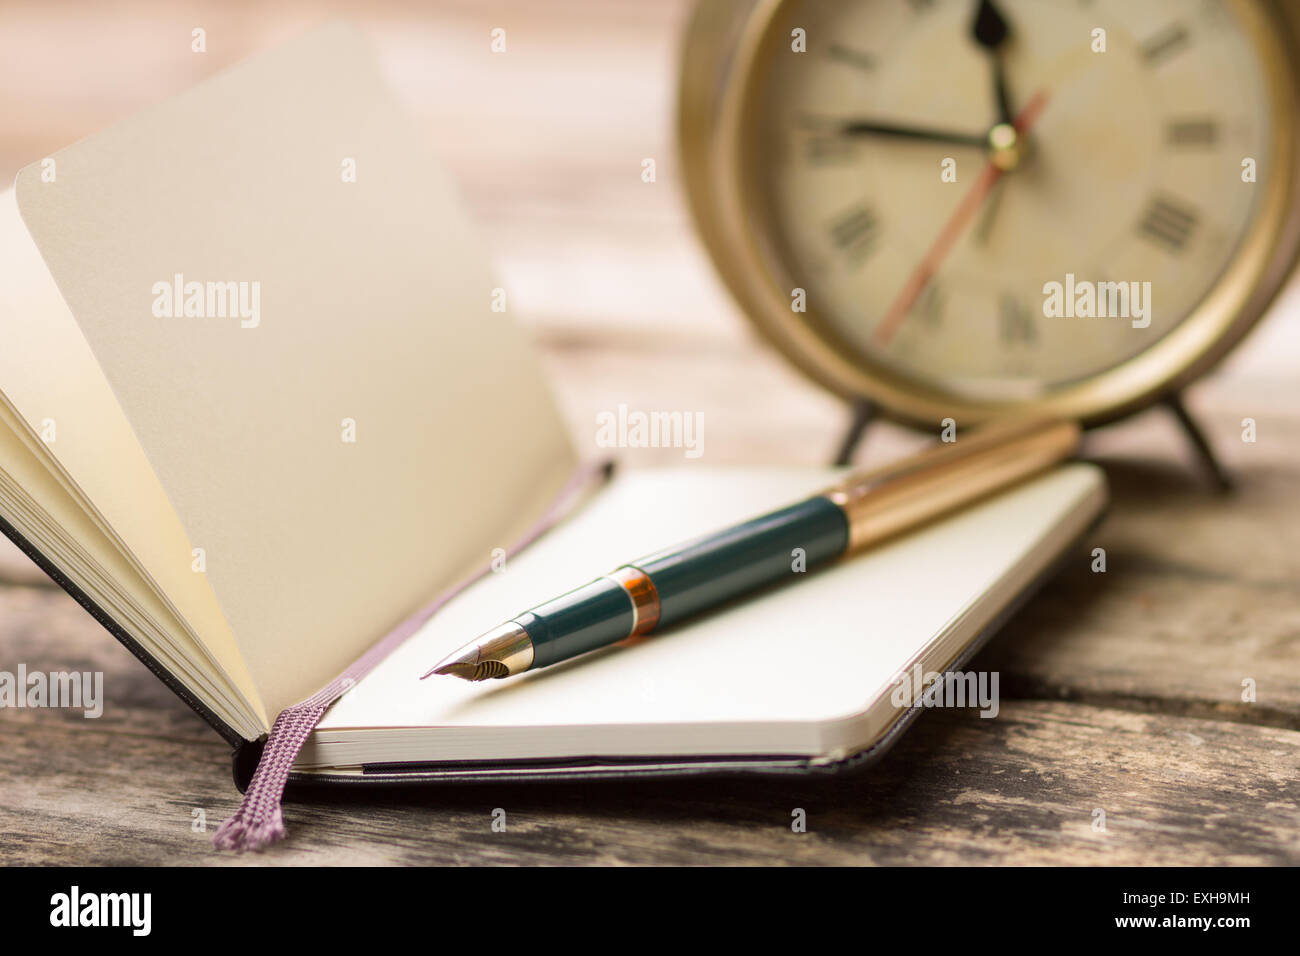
[(725, 39)]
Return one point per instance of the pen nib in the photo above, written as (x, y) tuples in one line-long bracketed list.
[(460, 663), (467, 665), (502, 651)]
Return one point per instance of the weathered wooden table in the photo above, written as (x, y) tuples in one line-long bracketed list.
[(1121, 691)]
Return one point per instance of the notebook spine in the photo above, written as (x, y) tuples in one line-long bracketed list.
[(228, 733)]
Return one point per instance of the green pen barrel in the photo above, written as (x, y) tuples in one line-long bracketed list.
[(703, 573), (690, 578), (594, 615)]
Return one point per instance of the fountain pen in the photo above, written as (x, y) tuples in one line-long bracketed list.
[(674, 584)]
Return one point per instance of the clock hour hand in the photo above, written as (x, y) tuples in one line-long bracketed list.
[(990, 30), (897, 131)]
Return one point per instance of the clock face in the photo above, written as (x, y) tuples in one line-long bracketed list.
[(949, 236)]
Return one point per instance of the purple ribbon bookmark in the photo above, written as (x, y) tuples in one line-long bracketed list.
[(259, 820)]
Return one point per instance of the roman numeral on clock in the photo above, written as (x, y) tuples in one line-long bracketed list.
[(1168, 222), (929, 306), (1016, 324), (829, 150), (854, 233), (1192, 132), (851, 57), (1167, 43)]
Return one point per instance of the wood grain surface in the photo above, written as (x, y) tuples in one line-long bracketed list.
[(1121, 692)]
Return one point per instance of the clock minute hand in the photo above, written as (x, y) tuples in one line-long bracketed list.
[(990, 30)]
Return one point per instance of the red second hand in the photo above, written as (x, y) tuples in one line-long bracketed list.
[(952, 230)]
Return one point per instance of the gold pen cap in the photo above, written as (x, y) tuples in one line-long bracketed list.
[(891, 499)]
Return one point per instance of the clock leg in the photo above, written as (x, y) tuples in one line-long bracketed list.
[(864, 413), (1210, 463)]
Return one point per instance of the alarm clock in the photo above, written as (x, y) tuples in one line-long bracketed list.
[(969, 209)]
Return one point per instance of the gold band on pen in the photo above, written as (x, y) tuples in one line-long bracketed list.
[(645, 599)]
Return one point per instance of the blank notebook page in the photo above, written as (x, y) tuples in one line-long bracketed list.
[(793, 670)]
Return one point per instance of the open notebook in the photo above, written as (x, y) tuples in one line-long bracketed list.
[(256, 408), (806, 671)]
